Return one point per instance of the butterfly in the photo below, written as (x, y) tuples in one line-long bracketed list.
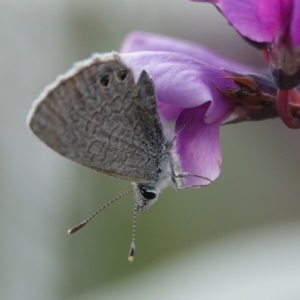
[(97, 116)]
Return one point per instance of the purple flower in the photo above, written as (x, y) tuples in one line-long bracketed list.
[(186, 88), (275, 23), (142, 41)]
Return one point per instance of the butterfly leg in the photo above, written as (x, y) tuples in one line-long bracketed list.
[(183, 175)]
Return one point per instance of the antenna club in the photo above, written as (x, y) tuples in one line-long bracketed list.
[(131, 252), (131, 258), (77, 227)]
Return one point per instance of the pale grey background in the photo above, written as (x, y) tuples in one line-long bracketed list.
[(194, 242)]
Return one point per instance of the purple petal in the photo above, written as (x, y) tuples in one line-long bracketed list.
[(208, 1), (259, 20), (295, 24), (276, 22), (142, 41), (182, 82), (198, 146), (169, 112), (249, 19)]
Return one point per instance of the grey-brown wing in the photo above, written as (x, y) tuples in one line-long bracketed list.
[(154, 141), (95, 115)]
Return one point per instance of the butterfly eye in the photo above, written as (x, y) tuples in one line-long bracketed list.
[(122, 74), (104, 80), (148, 194)]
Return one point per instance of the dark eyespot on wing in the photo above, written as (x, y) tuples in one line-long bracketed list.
[(105, 80), (122, 74)]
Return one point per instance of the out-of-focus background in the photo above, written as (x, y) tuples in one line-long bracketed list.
[(237, 239)]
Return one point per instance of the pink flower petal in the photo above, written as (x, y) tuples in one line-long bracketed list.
[(182, 81), (250, 20), (209, 1), (198, 146), (142, 41), (295, 25)]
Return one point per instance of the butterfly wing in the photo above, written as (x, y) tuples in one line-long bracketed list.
[(97, 116)]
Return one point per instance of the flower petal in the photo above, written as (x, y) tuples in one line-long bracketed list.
[(208, 1), (182, 81), (295, 24), (198, 146), (258, 20), (275, 22), (250, 20), (142, 41), (169, 112)]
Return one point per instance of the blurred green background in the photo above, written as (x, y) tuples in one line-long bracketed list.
[(254, 201)]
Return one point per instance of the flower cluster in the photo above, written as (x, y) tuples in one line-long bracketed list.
[(272, 25), (192, 81)]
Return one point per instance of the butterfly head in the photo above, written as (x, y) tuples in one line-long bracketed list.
[(146, 196)]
